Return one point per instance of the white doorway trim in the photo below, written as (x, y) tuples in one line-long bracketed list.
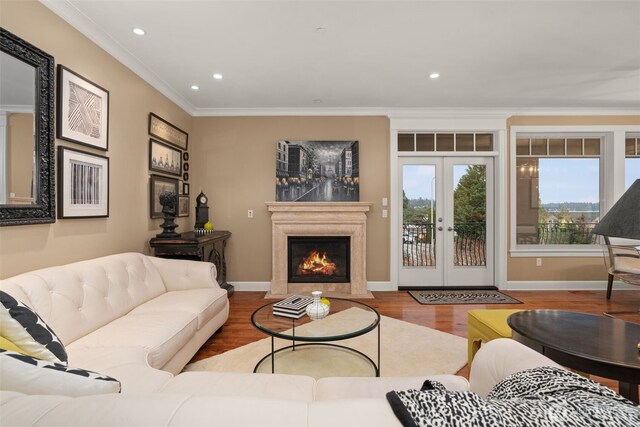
[(496, 125)]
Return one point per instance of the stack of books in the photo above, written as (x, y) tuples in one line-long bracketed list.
[(293, 307)]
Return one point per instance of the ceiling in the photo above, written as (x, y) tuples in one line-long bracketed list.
[(325, 57)]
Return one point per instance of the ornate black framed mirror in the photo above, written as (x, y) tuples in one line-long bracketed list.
[(27, 178)]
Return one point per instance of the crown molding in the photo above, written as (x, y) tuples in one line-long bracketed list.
[(346, 111), (404, 113), (93, 32)]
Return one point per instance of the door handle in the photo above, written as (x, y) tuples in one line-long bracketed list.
[(440, 228), (450, 229)]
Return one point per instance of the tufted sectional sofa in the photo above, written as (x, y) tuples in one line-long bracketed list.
[(127, 312), (140, 319)]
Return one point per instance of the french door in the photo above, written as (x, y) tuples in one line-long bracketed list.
[(447, 222)]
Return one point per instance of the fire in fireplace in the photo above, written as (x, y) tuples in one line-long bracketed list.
[(322, 259)]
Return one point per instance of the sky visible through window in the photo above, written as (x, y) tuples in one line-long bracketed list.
[(561, 180), (569, 180), (632, 171), (418, 180)]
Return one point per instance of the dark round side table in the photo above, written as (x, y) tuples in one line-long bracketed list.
[(598, 345)]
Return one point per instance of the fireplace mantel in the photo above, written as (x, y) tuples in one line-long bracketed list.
[(319, 219)]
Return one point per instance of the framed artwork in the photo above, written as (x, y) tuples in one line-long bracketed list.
[(317, 171), (164, 158), (183, 206), (160, 184), (83, 182), (185, 167), (185, 156), (185, 176), (185, 188), (165, 131), (83, 110)]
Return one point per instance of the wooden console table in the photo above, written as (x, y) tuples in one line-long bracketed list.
[(199, 247)]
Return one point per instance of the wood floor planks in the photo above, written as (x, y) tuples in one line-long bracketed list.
[(239, 331)]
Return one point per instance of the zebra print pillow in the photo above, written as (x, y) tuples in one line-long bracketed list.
[(545, 396)]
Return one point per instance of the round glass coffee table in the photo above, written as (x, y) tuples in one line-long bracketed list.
[(312, 351)]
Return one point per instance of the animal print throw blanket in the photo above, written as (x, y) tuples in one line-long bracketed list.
[(536, 397)]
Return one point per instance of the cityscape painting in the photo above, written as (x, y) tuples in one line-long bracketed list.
[(317, 171)]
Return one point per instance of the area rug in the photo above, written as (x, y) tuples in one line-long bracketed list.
[(437, 296), (406, 350)]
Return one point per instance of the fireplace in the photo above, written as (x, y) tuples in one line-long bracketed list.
[(318, 259), (319, 219)]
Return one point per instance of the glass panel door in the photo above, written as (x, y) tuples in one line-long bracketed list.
[(420, 247), (469, 240), (446, 221)]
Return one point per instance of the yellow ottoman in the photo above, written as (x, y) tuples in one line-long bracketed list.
[(484, 326)]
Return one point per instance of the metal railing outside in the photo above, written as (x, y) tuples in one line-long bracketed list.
[(567, 234), (418, 244)]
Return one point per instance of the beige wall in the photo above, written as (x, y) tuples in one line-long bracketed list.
[(233, 160), (128, 228), (561, 268)]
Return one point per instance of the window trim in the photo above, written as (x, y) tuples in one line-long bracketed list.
[(612, 158)]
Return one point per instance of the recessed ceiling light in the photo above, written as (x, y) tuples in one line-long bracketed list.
[(318, 101), (434, 75), (139, 31), (321, 30), (217, 76), (195, 87)]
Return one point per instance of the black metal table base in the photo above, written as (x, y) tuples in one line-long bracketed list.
[(293, 346)]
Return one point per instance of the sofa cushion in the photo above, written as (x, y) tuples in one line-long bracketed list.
[(204, 304), (29, 375), (351, 412), (19, 409), (332, 388), (25, 329), (76, 299), (275, 386), (161, 334), (127, 364), (152, 410)]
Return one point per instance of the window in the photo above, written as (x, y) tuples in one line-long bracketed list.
[(632, 159), (557, 197), (449, 142)]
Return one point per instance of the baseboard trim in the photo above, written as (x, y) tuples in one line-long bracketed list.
[(265, 286), (380, 286), (564, 286), (251, 286)]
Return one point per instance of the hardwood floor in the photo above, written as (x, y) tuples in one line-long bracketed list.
[(239, 331)]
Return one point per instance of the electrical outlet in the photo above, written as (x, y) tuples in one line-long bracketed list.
[(385, 201), (250, 213), (385, 213), (538, 262)]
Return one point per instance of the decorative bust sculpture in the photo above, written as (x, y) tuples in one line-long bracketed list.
[(168, 202)]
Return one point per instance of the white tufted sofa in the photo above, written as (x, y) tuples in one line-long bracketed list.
[(140, 319), (127, 313)]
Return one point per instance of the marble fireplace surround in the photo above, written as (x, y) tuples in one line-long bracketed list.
[(319, 219)]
